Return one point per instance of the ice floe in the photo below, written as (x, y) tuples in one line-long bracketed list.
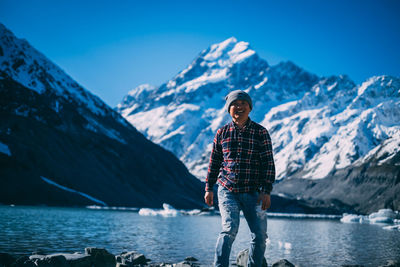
[(383, 216), (96, 207), (167, 211)]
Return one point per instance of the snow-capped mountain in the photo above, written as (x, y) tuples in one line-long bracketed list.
[(61, 145), (333, 125), (27, 66), (318, 125), (183, 114)]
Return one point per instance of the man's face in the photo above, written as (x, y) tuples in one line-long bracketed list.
[(239, 110)]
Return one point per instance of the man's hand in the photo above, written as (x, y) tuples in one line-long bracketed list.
[(209, 198), (266, 201)]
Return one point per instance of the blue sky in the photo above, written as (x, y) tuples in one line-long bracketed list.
[(112, 46)]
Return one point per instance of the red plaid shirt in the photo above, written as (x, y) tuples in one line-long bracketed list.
[(242, 160)]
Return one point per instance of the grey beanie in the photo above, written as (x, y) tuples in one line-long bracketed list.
[(236, 95)]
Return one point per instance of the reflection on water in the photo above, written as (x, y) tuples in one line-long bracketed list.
[(305, 242)]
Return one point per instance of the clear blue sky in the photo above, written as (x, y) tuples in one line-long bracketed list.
[(112, 46)]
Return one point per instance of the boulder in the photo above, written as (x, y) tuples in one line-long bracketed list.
[(191, 259), (243, 257), (73, 260), (283, 263), (391, 263), (23, 261), (49, 260), (100, 257), (6, 259), (130, 259), (185, 264), (78, 260)]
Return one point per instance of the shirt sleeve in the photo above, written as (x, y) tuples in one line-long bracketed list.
[(214, 166), (267, 162)]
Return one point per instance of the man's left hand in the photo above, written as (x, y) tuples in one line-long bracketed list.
[(265, 200)]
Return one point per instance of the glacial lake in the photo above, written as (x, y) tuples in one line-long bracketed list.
[(304, 242)]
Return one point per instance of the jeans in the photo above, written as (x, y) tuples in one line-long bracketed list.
[(230, 204)]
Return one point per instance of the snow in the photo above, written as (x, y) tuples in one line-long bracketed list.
[(218, 49), (94, 126), (383, 216), (365, 86), (4, 149), (36, 72), (213, 76), (257, 86), (73, 191), (240, 52), (385, 151)]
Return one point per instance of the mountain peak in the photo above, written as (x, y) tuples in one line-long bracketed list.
[(228, 52), (26, 65)]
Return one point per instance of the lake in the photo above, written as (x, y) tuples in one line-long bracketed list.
[(304, 242)]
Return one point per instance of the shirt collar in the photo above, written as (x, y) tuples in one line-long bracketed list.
[(246, 126)]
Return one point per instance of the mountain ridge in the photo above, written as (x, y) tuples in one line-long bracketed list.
[(61, 143), (318, 125)]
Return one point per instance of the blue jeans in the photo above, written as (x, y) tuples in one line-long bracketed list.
[(230, 204)]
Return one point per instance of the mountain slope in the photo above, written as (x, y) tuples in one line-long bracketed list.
[(61, 145), (333, 125), (370, 184), (183, 114), (319, 126)]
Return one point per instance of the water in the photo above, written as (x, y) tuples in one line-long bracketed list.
[(304, 242)]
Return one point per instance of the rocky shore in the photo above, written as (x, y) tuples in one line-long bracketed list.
[(100, 257)]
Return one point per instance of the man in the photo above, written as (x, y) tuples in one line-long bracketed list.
[(242, 163)]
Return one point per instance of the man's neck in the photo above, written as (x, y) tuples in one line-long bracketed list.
[(240, 123)]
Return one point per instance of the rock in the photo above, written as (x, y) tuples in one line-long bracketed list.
[(52, 261), (161, 265), (243, 257), (6, 259), (23, 261), (185, 264), (38, 252), (130, 259), (191, 259), (78, 260), (100, 257), (283, 263), (391, 263), (73, 260), (47, 260)]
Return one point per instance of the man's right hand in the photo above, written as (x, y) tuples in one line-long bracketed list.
[(209, 198)]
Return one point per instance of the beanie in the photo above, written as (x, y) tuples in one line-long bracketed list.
[(236, 95)]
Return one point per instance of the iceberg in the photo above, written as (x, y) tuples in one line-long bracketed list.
[(353, 218), (383, 216), (167, 211)]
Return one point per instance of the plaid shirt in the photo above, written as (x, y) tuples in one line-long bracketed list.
[(242, 160)]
